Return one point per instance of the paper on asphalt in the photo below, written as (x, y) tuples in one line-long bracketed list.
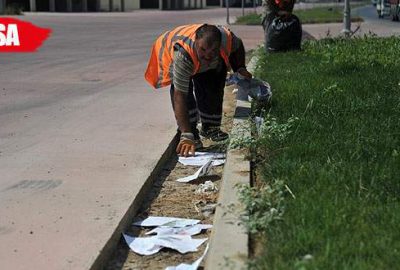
[(204, 170), (193, 266), (188, 230), (201, 158), (153, 244), (153, 221)]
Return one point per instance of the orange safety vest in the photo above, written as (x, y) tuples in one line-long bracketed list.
[(160, 66)]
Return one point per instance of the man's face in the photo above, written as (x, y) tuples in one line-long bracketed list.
[(205, 52)]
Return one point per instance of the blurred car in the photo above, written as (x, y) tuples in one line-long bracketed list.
[(383, 8), (395, 9), (238, 3)]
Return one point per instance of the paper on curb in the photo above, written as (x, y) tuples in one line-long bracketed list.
[(153, 221), (188, 230), (204, 170), (201, 158), (193, 266), (153, 244)]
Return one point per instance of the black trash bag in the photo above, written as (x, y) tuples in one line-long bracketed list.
[(282, 33)]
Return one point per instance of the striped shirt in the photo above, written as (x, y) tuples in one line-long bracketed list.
[(183, 66)]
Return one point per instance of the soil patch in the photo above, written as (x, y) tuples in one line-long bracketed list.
[(170, 198)]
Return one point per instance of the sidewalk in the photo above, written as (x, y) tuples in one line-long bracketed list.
[(334, 29)]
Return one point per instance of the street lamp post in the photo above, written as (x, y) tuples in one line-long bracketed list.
[(227, 11), (346, 19), (2, 6), (52, 5)]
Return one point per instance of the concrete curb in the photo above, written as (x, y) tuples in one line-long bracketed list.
[(229, 242), (107, 251)]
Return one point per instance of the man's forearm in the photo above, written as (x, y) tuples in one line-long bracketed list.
[(237, 58), (181, 112)]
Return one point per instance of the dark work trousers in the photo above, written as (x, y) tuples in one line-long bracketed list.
[(204, 99)]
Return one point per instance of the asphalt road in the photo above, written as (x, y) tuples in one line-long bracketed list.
[(80, 132), (369, 14)]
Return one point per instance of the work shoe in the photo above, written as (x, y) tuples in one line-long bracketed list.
[(197, 141), (214, 134), (198, 144)]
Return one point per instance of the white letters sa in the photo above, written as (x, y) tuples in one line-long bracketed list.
[(9, 35)]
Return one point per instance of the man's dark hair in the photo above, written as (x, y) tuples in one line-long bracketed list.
[(210, 33)]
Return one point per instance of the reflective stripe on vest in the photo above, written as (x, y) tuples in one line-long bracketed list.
[(160, 67)]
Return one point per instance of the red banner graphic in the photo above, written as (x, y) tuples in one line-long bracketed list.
[(21, 36)]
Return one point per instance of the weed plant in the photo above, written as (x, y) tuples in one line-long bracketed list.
[(329, 152)]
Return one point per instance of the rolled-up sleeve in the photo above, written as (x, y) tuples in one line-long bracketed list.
[(182, 71), (237, 56), (236, 42)]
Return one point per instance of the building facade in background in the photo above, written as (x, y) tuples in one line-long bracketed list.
[(100, 5)]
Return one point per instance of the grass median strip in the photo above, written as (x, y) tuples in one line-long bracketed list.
[(331, 14), (323, 15), (329, 157)]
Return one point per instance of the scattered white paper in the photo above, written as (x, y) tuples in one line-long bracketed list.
[(188, 230), (153, 244), (181, 243), (201, 158), (142, 246), (193, 266), (207, 187), (153, 221), (204, 170)]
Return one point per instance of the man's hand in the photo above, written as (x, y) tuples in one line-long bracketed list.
[(245, 73), (186, 146)]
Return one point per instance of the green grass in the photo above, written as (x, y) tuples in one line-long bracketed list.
[(249, 19), (333, 139), (307, 16), (323, 15), (12, 9)]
